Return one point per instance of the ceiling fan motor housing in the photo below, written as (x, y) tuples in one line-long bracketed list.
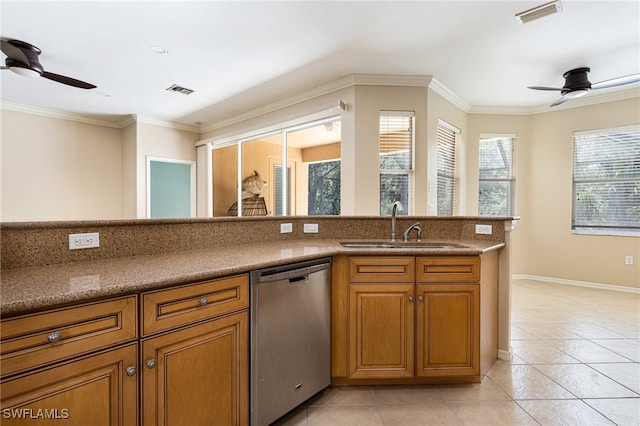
[(576, 79)]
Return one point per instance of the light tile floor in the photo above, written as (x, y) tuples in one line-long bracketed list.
[(576, 362)]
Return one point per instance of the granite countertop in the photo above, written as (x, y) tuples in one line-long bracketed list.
[(24, 290)]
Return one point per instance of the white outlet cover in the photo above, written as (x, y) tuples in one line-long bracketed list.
[(84, 241), (310, 228), (484, 229), (286, 228)]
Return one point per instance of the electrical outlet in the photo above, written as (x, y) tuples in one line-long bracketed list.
[(628, 260), (310, 228), (84, 241), (286, 228), (484, 229)]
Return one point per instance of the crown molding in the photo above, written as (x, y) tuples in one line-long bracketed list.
[(443, 91), (575, 103), (62, 115), (168, 124), (116, 121), (324, 89)]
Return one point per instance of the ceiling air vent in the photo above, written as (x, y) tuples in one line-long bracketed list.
[(539, 12), (179, 89)]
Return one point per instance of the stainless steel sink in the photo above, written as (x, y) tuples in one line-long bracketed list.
[(400, 245)]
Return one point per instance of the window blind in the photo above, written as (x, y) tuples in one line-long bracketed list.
[(396, 159), (496, 177), (606, 180), (447, 184)]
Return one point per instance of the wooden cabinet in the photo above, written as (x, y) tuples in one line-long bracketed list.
[(448, 317), (408, 319), (55, 366), (196, 372), (86, 365), (381, 330), (448, 332), (381, 316)]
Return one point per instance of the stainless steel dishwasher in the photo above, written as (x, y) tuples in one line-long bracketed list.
[(290, 337)]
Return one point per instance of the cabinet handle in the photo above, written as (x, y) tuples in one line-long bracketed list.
[(203, 301), (131, 371), (151, 363), (54, 337), (420, 298), (410, 298)]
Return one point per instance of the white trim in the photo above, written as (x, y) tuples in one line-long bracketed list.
[(441, 90), (149, 159), (117, 121), (498, 136), (505, 355), (588, 284), (168, 124), (446, 125), (631, 127), (114, 121), (591, 99)]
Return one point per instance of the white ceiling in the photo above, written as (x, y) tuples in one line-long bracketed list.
[(240, 55)]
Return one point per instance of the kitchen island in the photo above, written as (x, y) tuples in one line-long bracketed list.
[(157, 284)]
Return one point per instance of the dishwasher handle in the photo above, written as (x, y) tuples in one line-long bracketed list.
[(293, 275)]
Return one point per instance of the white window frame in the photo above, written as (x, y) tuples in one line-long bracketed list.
[(410, 172), (595, 228), (455, 204), (511, 197)]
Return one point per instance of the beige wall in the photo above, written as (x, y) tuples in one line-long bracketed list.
[(60, 169), (55, 169), (543, 244)]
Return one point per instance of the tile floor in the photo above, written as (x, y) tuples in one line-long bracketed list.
[(576, 362)]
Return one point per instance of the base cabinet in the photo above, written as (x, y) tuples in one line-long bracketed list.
[(406, 319), (100, 389), (381, 334), (197, 375), (448, 330)]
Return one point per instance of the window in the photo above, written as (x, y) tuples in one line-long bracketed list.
[(280, 191), (324, 188), (606, 181), (447, 177), (497, 178), (396, 160)]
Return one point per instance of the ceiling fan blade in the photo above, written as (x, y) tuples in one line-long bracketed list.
[(68, 80), (545, 88), (13, 52), (560, 101), (617, 81)]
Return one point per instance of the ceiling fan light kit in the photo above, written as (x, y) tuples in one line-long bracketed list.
[(538, 12), (577, 84), (22, 59)]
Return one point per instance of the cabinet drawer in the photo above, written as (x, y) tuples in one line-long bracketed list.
[(178, 306), (381, 269), (37, 339), (448, 269)]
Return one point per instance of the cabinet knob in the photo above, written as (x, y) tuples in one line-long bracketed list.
[(203, 301), (151, 363), (420, 298), (410, 298), (54, 337), (131, 371)]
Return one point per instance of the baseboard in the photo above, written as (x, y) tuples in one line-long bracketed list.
[(504, 355), (563, 281)]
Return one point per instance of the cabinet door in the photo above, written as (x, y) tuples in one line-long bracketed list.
[(448, 330), (381, 330), (95, 390), (197, 375)]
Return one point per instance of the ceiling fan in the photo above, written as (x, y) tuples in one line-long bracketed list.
[(576, 84), (22, 58)]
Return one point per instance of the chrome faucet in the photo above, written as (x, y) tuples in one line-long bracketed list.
[(396, 206), (416, 226)]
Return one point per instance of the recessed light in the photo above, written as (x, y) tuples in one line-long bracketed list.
[(158, 49)]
